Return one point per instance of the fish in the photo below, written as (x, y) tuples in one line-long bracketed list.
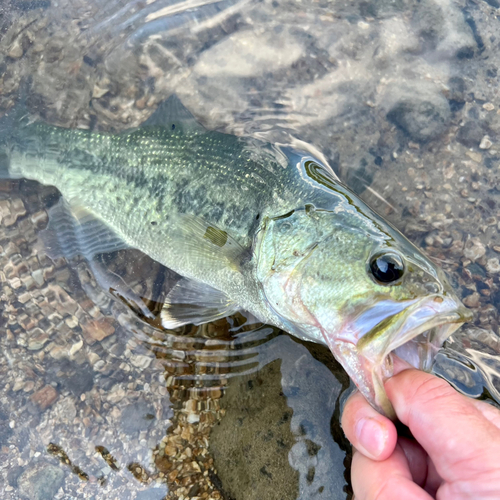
[(249, 226)]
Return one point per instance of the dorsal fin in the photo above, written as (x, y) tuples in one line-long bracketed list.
[(173, 115)]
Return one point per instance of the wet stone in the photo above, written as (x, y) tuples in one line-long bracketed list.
[(38, 276), (493, 265), (457, 89), (136, 417), (423, 117), (471, 134), (141, 361), (474, 249), (45, 397), (66, 409), (96, 330), (72, 376), (474, 156), (485, 143), (37, 340), (82, 380), (40, 219), (12, 211), (60, 300), (16, 49), (13, 476), (472, 300), (41, 481)]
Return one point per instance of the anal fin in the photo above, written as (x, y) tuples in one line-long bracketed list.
[(75, 231), (192, 302)]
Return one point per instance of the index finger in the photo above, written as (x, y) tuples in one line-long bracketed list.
[(461, 441)]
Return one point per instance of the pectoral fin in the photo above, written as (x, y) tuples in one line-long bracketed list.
[(207, 243), (192, 302)]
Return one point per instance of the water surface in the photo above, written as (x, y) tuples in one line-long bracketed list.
[(399, 97)]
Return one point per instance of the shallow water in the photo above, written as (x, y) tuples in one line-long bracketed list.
[(400, 98)]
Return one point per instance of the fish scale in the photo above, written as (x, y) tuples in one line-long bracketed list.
[(166, 172)]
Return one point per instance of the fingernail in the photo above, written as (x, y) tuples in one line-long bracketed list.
[(371, 436)]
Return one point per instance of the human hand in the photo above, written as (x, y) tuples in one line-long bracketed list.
[(455, 454)]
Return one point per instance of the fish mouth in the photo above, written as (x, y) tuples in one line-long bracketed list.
[(412, 330)]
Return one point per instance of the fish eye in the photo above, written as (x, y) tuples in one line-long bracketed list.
[(387, 267)]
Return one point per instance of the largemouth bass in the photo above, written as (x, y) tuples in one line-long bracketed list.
[(252, 227)]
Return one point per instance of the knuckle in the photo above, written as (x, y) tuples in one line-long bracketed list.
[(383, 492), (429, 394)]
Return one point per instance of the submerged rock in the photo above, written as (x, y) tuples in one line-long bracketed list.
[(423, 114), (41, 482), (471, 134)]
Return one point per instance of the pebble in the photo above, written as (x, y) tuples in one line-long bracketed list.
[(99, 92), (474, 156), (100, 365), (16, 210), (140, 361), (66, 409), (18, 385), (93, 358), (116, 394), (472, 300), (485, 143), (474, 249), (45, 397), (38, 338), (96, 330), (41, 481), (16, 49), (493, 265), (489, 106), (246, 54), (40, 219), (29, 386), (24, 297), (75, 347), (58, 352), (78, 378), (72, 322), (470, 134)]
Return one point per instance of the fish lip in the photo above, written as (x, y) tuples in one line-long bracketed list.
[(414, 333), (430, 320)]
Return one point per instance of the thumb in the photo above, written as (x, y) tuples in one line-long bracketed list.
[(462, 443)]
